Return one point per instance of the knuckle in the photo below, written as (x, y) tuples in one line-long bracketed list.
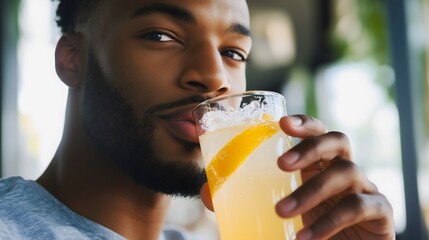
[(357, 179), (314, 123), (341, 136), (343, 139), (374, 188), (383, 206), (306, 118), (380, 208), (348, 168)]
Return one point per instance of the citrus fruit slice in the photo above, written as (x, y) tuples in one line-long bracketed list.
[(235, 152)]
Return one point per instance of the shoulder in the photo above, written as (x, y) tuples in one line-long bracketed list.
[(15, 206), (6, 184), (21, 204), (13, 189), (18, 194), (28, 211)]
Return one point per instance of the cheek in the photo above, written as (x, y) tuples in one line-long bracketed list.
[(143, 76)]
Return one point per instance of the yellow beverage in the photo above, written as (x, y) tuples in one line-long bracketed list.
[(244, 195)]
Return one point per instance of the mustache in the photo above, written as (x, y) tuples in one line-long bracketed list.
[(178, 103)]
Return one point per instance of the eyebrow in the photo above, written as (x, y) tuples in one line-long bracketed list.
[(184, 15), (171, 10), (240, 29)]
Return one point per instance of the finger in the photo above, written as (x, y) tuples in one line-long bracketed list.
[(316, 149), (342, 177), (206, 197), (302, 126), (372, 212)]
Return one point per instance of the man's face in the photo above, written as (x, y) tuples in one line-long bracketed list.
[(150, 63)]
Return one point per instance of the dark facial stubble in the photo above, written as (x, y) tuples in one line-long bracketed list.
[(112, 124)]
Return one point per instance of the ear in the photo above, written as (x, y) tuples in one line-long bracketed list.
[(69, 60)]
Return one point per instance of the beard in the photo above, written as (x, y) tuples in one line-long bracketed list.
[(114, 127)]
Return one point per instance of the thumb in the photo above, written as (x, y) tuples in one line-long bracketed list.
[(206, 196)]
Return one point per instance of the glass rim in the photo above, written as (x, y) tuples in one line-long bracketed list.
[(241, 94)]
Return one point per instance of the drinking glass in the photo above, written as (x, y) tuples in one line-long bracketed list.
[(241, 140)]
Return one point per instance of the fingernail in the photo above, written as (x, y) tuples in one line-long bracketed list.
[(305, 234), (296, 121), (287, 205), (291, 157)]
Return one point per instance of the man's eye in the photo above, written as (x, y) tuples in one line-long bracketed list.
[(235, 55), (157, 36)]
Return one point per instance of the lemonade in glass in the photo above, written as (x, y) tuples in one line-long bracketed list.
[(241, 140)]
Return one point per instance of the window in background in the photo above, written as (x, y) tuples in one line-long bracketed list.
[(273, 38), (8, 71), (423, 173), (41, 95), (273, 51)]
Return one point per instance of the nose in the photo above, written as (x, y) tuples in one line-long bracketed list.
[(205, 72)]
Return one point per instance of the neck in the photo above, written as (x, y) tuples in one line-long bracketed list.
[(85, 180)]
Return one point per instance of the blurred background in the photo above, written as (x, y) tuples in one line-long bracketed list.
[(361, 66)]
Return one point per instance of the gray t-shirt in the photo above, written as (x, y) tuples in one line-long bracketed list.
[(28, 211)]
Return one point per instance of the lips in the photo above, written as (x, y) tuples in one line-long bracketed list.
[(180, 124)]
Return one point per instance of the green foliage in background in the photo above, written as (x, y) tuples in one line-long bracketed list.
[(369, 17), (372, 15), (366, 38), (10, 15)]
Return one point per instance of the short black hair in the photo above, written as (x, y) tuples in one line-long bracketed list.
[(72, 12)]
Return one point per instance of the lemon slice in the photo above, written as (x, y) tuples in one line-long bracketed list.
[(235, 152)]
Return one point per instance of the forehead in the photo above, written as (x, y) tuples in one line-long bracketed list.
[(203, 10)]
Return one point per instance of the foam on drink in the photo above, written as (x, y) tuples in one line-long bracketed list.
[(251, 113)]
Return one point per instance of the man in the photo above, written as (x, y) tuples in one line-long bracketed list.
[(135, 69)]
